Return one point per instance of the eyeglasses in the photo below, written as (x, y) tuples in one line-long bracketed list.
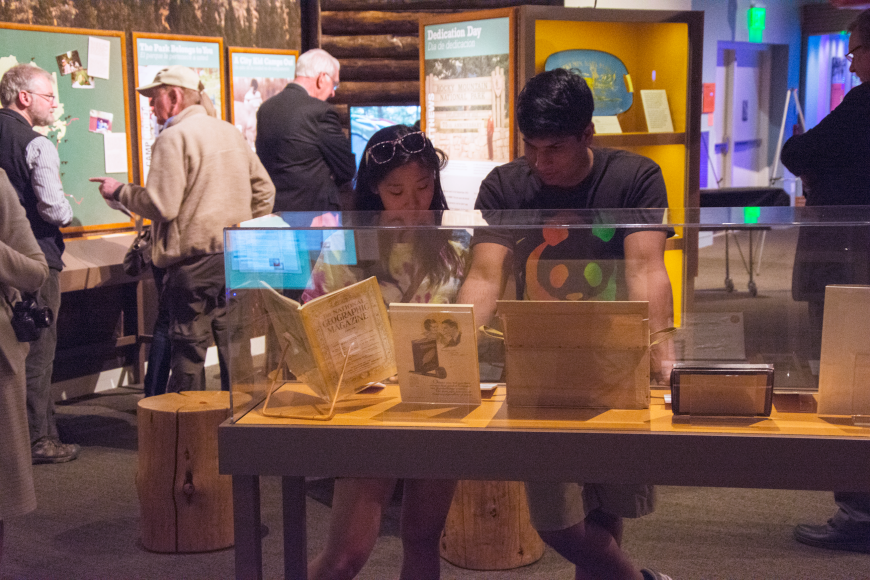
[(851, 54), (411, 143), (335, 84), (49, 98)]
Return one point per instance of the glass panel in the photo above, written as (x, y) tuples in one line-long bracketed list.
[(753, 292)]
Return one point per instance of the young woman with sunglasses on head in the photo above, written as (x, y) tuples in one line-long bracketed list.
[(398, 175)]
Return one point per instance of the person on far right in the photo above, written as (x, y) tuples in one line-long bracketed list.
[(832, 159)]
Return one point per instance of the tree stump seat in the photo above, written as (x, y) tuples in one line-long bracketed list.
[(186, 505)]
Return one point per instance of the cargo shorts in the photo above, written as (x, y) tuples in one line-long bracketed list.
[(555, 506)]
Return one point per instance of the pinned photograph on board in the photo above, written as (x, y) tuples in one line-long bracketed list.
[(100, 122), (81, 80), (69, 62)]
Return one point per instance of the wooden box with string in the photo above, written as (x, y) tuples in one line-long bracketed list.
[(576, 354)]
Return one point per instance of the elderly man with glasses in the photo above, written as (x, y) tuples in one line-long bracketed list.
[(33, 166), (300, 141), (833, 159)]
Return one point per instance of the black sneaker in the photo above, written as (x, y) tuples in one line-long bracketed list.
[(653, 575), (51, 450), (851, 536)]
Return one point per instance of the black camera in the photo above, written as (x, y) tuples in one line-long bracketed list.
[(28, 319)]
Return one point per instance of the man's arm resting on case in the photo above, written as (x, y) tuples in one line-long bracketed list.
[(486, 280), (647, 280)]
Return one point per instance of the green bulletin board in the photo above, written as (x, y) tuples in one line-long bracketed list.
[(81, 150)]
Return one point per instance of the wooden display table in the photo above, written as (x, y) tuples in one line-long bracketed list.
[(377, 436), (186, 506)]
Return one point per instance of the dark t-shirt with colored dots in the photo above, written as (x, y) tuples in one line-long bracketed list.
[(573, 263)]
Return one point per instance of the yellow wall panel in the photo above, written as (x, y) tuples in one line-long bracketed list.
[(644, 47)]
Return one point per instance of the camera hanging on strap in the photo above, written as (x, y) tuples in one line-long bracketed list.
[(28, 318)]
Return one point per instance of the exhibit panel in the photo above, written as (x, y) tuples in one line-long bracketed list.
[(467, 64), (89, 128), (256, 74), (277, 263), (768, 390), (154, 52)]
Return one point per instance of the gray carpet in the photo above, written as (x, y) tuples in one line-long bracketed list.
[(86, 525)]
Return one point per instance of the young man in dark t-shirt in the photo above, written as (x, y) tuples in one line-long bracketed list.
[(561, 171)]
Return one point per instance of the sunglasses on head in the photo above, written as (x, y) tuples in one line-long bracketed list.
[(411, 143)]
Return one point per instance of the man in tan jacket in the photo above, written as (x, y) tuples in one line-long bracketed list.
[(203, 177)]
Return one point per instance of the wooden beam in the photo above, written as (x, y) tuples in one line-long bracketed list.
[(370, 22), (398, 5), (343, 114), (309, 22), (379, 46), (357, 69), (378, 93)]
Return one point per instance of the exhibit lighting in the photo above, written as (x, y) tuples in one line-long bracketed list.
[(756, 15)]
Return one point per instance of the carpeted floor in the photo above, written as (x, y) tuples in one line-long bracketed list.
[(86, 525)]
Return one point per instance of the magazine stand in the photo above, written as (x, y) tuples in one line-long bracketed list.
[(277, 375), (276, 305)]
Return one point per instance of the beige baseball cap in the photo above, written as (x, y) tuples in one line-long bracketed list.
[(176, 76)]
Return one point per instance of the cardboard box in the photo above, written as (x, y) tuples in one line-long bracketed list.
[(576, 354)]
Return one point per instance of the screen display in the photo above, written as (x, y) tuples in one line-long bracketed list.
[(366, 121)]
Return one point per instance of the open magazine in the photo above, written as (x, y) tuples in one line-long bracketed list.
[(337, 344)]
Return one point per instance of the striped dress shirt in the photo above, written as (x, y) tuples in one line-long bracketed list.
[(44, 164)]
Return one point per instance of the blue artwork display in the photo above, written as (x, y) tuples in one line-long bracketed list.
[(605, 74)]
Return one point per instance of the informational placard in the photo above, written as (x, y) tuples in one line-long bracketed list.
[(153, 52), (68, 55), (256, 75), (658, 115), (466, 80)]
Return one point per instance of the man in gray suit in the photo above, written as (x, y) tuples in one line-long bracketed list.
[(300, 141)]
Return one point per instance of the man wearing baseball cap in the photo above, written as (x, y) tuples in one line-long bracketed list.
[(203, 177)]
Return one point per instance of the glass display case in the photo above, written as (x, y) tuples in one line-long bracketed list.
[(597, 330), (278, 262)]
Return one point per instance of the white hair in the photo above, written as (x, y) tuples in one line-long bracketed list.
[(316, 61), (19, 78)]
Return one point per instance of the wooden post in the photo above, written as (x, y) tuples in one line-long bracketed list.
[(309, 16), (186, 506), (488, 527)]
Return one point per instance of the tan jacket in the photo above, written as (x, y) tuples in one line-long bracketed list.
[(203, 178), (22, 269)]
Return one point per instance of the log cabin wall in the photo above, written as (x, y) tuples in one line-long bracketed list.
[(377, 43)]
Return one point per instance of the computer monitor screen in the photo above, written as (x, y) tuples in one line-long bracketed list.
[(366, 121)]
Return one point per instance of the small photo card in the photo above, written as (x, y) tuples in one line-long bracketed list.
[(69, 62), (81, 80), (100, 122)]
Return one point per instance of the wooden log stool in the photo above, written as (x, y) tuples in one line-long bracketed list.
[(186, 506), (488, 527)]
